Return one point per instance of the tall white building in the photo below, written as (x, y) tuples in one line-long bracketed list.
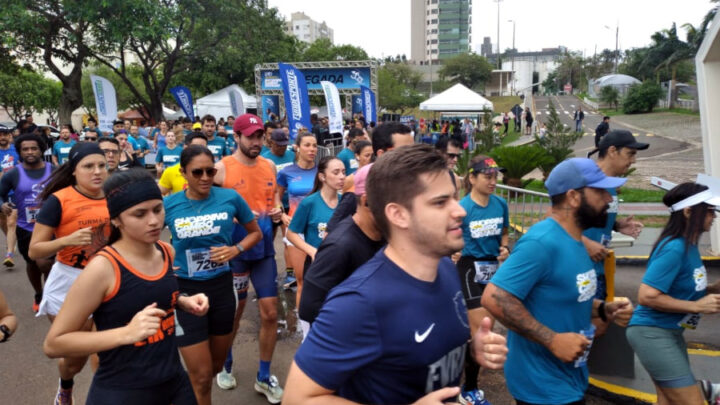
[(306, 29)]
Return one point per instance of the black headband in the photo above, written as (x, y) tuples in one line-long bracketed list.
[(82, 149), (131, 194)]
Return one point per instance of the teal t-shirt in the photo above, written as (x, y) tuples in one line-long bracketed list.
[(604, 235), (483, 226), (348, 158), (197, 225), (61, 150), (143, 146), (552, 275), (677, 273), (168, 156), (281, 162), (230, 143), (311, 218), (218, 147)]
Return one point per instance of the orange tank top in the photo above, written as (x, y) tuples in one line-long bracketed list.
[(256, 184), (79, 211)]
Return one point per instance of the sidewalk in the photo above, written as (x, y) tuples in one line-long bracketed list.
[(637, 254), (642, 209)]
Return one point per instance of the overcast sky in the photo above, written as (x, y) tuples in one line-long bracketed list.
[(382, 27)]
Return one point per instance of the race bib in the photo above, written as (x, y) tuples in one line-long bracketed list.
[(354, 164), (690, 321), (590, 334), (484, 271), (199, 263), (31, 214)]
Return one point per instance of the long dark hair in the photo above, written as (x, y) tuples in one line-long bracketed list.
[(321, 168), (189, 153), (302, 134), (117, 180), (59, 179), (678, 225)]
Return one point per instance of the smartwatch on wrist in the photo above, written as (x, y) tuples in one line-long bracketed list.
[(6, 333), (240, 248)]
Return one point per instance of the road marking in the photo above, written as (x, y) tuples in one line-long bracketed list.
[(649, 134), (572, 105), (636, 134), (624, 391), (587, 134), (566, 112)]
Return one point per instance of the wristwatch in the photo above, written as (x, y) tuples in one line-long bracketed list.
[(240, 248), (6, 333)]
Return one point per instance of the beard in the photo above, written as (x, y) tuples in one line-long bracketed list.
[(249, 152), (587, 217)]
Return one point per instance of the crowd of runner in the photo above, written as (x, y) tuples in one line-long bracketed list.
[(401, 265)]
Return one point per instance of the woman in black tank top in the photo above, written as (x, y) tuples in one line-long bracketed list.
[(130, 290)]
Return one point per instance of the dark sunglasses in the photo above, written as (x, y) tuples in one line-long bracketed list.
[(209, 171), (87, 138), (453, 155)]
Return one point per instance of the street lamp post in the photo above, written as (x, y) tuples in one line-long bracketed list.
[(512, 68), (498, 34), (617, 53)]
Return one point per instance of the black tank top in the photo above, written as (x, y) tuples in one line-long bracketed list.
[(154, 360)]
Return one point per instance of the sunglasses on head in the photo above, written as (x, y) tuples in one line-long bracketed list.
[(209, 171)]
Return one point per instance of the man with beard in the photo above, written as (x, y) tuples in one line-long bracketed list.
[(396, 330), (27, 181), (61, 149), (544, 292), (254, 178)]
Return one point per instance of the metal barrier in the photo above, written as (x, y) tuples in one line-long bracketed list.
[(332, 147), (525, 207)]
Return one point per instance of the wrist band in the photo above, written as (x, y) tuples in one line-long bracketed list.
[(601, 311)]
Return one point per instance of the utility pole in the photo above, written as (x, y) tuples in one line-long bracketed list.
[(498, 34), (617, 35), (512, 86)]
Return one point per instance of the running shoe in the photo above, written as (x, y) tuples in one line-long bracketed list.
[(473, 397), (711, 392), (8, 262), (270, 388), (225, 380), (290, 282), (64, 397)]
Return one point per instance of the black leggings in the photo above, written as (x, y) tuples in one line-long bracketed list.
[(176, 391)]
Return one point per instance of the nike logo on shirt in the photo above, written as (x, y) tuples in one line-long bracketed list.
[(419, 338)]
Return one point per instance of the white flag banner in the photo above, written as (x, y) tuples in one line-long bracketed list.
[(236, 103), (105, 102), (332, 99)]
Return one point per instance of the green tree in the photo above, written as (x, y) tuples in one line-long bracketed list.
[(397, 87), (49, 98), (21, 92), (324, 50), (469, 69), (610, 96), (571, 70), (125, 98), (53, 33), (518, 161), (557, 142), (642, 97)]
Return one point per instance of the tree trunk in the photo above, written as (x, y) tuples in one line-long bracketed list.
[(156, 107), (70, 99)]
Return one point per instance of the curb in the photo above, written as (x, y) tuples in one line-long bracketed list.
[(708, 261)]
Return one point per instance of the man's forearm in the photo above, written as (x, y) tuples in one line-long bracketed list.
[(513, 314)]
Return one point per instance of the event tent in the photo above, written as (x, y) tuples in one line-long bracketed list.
[(457, 98), (218, 103)]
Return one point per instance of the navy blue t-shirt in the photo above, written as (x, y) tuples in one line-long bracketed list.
[(386, 337)]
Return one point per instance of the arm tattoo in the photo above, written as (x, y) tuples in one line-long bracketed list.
[(514, 315)]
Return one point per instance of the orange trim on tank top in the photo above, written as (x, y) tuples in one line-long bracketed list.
[(120, 259)]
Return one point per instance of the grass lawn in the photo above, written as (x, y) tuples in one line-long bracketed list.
[(504, 103), (611, 112), (625, 194)]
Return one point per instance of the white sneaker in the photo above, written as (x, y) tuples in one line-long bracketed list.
[(270, 388), (225, 380)]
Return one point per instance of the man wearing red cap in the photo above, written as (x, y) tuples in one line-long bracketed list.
[(254, 178)]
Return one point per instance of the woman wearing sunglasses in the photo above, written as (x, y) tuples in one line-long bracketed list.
[(201, 222), (674, 294)]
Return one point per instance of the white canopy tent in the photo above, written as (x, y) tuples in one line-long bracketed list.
[(218, 103), (457, 98)]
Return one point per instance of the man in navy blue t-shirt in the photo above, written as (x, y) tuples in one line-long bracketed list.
[(545, 291), (397, 330)]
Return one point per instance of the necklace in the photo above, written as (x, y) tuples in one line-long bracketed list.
[(196, 207)]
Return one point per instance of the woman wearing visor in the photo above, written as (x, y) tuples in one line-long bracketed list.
[(674, 294)]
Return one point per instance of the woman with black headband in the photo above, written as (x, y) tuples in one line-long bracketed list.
[(201, 220), (73, 224), (485, 232), (674, 293), (131, 292)]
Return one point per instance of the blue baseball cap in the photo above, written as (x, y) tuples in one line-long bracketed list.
[(577, 173)]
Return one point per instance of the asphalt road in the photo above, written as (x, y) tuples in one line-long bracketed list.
[(27, 376), (566, 106)]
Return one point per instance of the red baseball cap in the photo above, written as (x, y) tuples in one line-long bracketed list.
[(248, 124)]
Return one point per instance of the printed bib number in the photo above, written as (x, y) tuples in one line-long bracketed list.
[(484, 271), (690, 321), (354, 164), (605, 240), (590, 334), (31, 214), (199, 263)]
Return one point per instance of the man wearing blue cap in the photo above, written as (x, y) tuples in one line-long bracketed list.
[(544, 292)]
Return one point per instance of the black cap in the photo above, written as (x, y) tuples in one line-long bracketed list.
[(279, 137), (116, 122), (621, 138)]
